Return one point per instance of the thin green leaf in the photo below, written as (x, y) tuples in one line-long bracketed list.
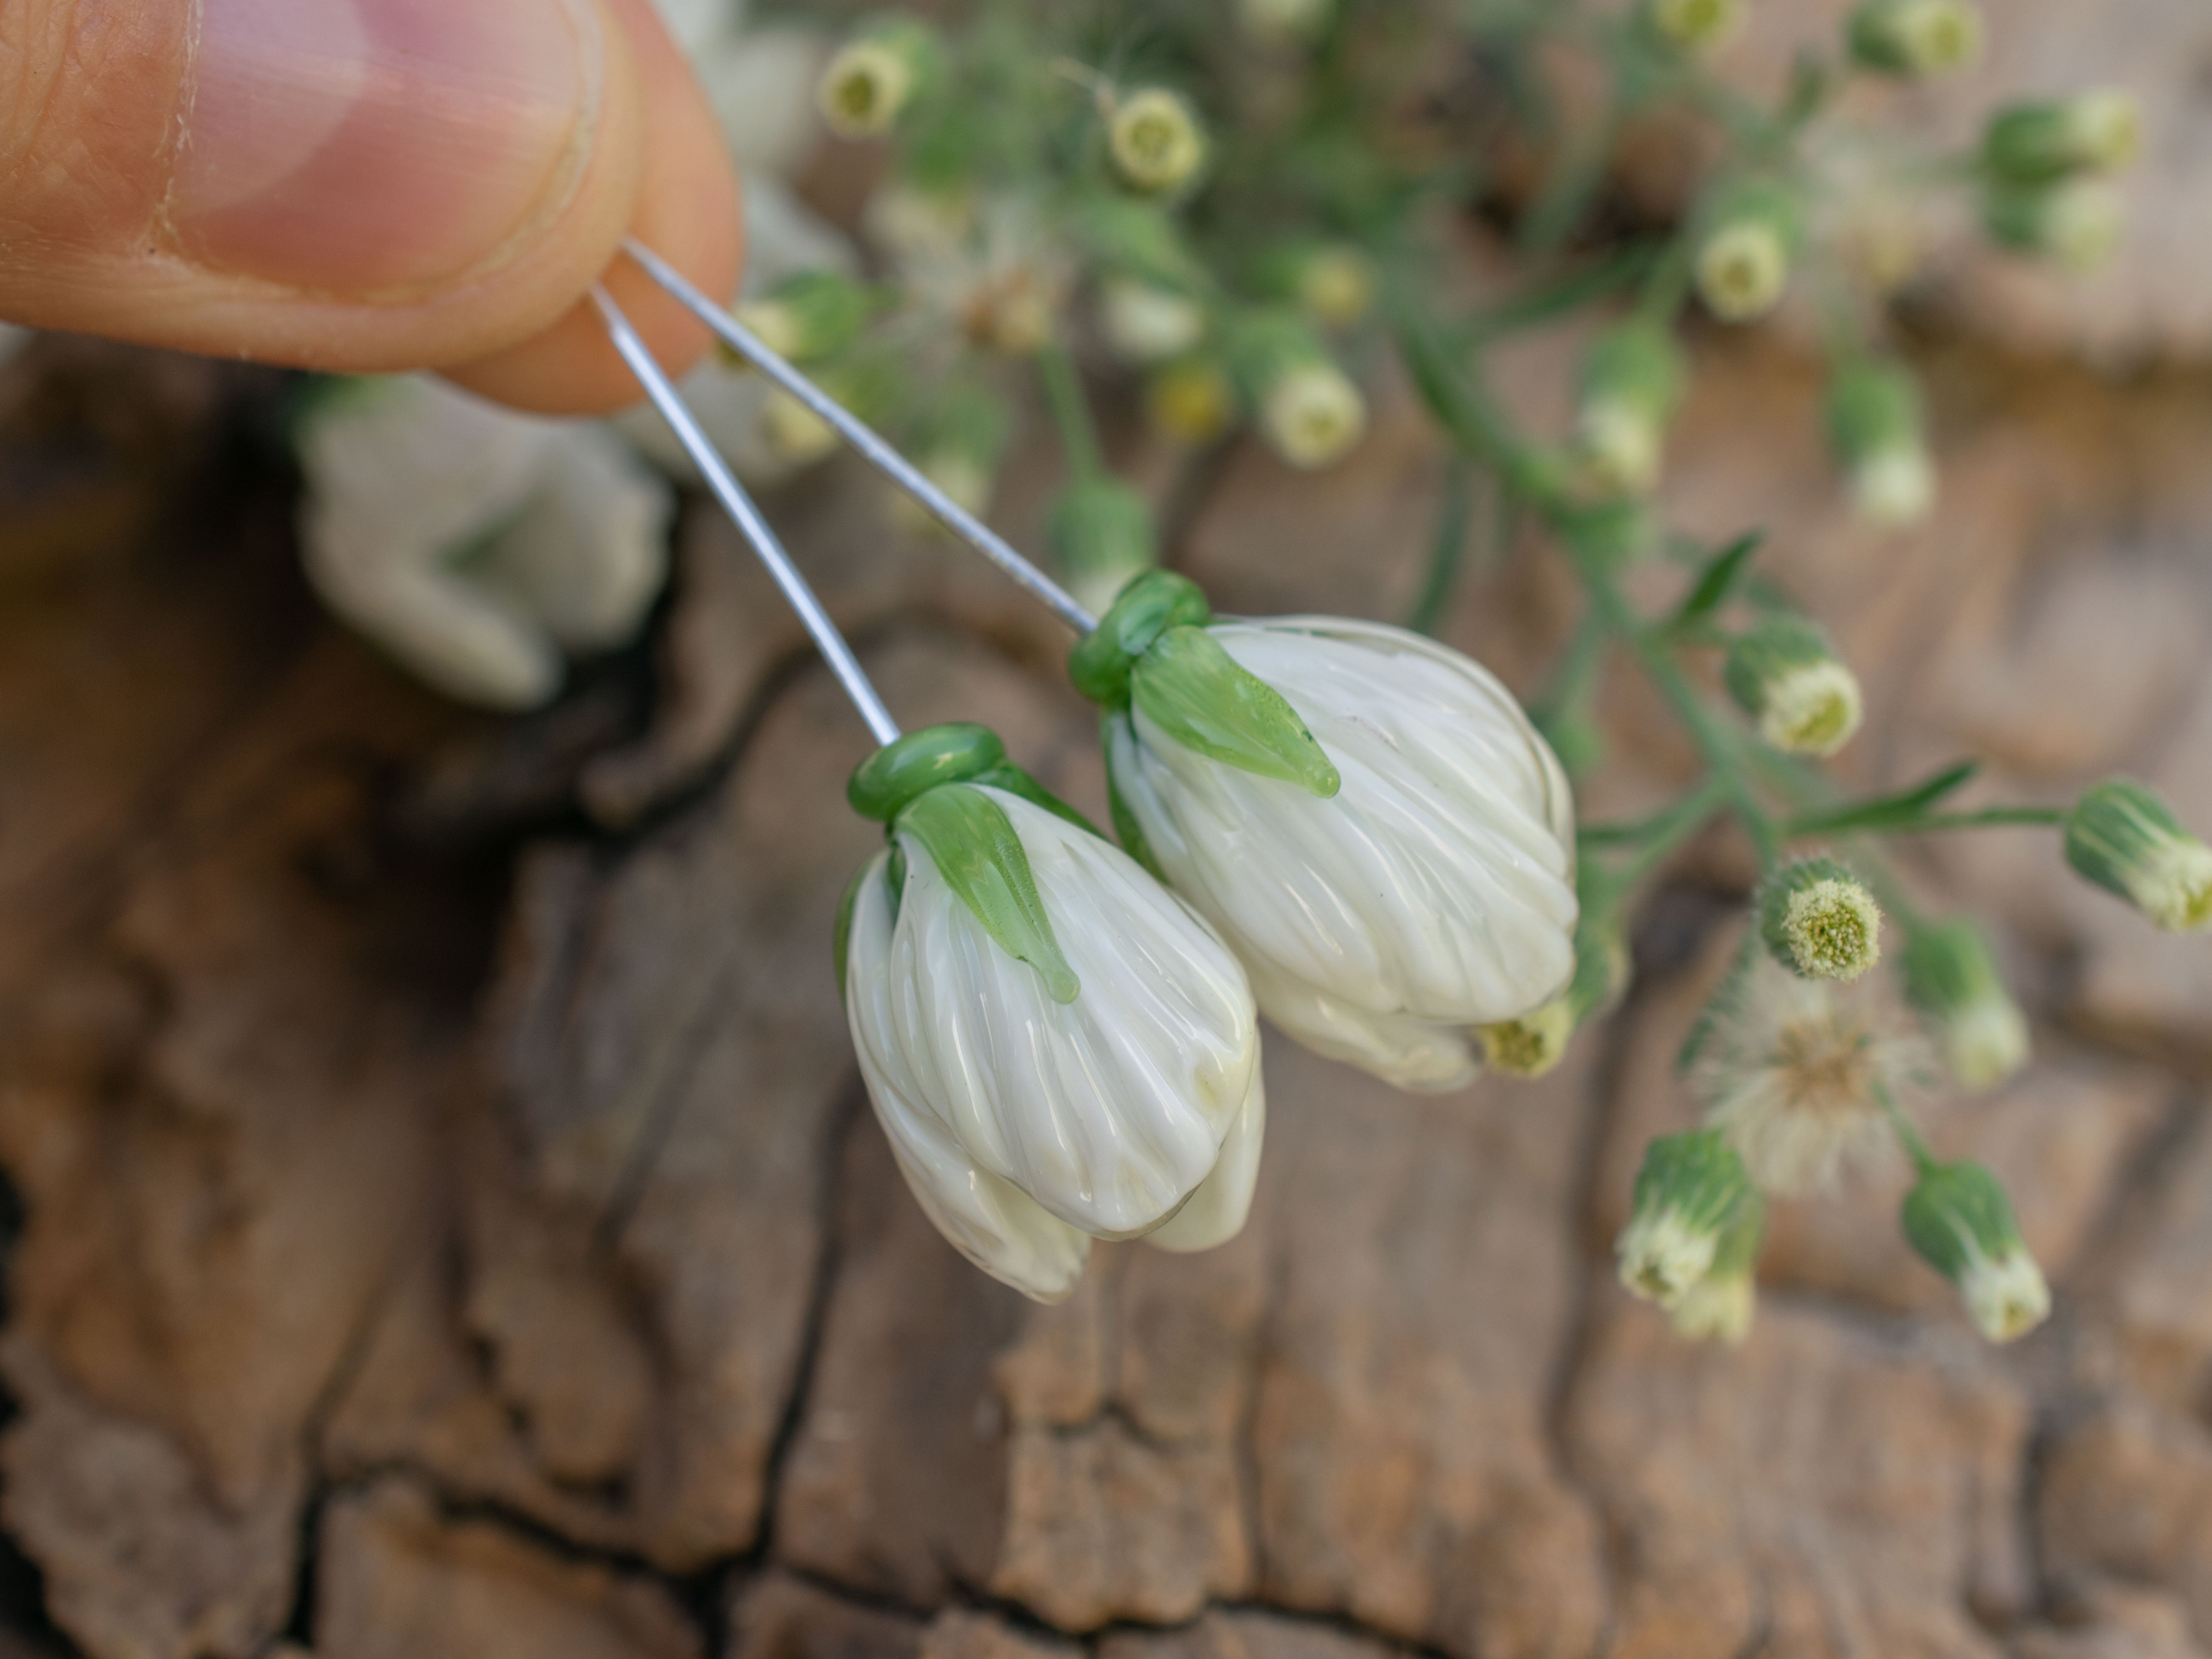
[(1722, 573), (1887, 812)]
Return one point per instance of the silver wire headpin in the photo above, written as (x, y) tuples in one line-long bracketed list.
[(739, 505), (878, 454)]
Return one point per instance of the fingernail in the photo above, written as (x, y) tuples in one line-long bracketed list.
[(367, 147)]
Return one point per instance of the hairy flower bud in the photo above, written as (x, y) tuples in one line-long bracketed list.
[(1916, 38), (1958, 1218), (1718, 1307), (873, 77), (1156, 142), (1632, 384), (1695, 24), (1056, 1047), (1744, 252), (1145, 322), (1875, 424), (815, 315), (1689, 1193), (2076, 221), (1367, 816), (1101, 530), (1819, 921), (1782, 674), (1950, 976), (2122, 837), (1192, 401), (2040, 143)]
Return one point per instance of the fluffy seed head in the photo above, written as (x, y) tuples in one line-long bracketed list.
[(1795, 1071)]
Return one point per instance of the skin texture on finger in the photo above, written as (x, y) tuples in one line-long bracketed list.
[(112, 222), (686, 211)]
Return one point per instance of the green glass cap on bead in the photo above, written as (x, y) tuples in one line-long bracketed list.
[(1819, 921), (882, 785), (1689, 1192), (1145, 608), (1959, 1219), (2122, 837), (1193, 691), (972, 841)]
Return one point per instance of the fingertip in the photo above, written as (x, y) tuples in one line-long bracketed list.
[(686, 209)]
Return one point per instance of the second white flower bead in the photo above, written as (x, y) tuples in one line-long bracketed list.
[(1080, 1060), (1401, 869)]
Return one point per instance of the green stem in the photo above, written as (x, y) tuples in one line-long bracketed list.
[(1070, 413), (2047, 817), (1907, 1131), (1445, 554)]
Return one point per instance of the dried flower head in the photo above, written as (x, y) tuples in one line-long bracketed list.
[(1795, 1071), (1156, 142)]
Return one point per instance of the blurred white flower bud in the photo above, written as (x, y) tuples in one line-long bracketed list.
[(873, 77), (1782, 674), (1689, 1193), (1748, 239), (1916, 38), (1144, 323), (1156, 142), (1950, 976), (2122, 837), (1958, 1218)]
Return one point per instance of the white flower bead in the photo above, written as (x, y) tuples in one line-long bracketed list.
[(1027, 1127), (1435, 891)]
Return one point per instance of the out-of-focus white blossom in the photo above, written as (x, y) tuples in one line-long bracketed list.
[(473, 543), (1145, 322)]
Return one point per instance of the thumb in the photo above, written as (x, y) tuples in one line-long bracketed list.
[(353, 185)]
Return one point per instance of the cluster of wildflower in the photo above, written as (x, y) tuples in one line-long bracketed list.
[(1233, 213)]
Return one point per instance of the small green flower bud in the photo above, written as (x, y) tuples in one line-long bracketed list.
[(1958, 1218), (1101, 530), (1784, 675), (1154, 140), (1695, 24), (1332, 282), (1690, 1192), (815, 315), (2076, 221), (1310, 411), (1532, 1045), (1632, 384), (1718, 1308), (2040, 143), (1950, 976), (875, 76), (1875, 424), (1750, 237), (2126, 840), (1916, 38), (1819, 921), (1191, 402), (1145, 322)]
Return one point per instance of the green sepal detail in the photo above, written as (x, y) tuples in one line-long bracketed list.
[(840, 941), (972, 841), (1015, 781), (1126, 830), (882, 785), (1145, 608), (1955, 1211), (1192, 690)]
